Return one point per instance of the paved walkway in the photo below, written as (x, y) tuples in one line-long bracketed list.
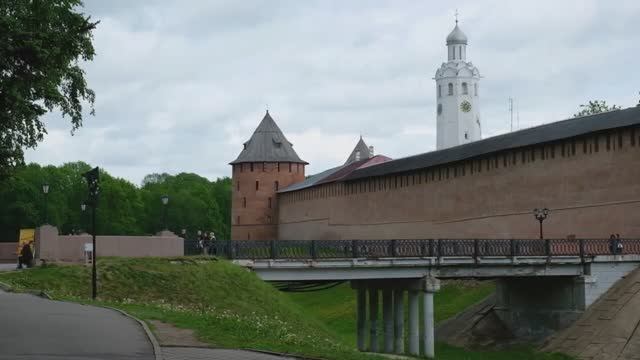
[(36, 328), (609, 329), (186, 353)]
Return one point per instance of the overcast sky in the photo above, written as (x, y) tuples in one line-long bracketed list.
[(182, 84)]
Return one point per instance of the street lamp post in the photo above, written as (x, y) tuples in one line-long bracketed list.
[(541, 215), (165, 201), (93, 182), (45, 190)]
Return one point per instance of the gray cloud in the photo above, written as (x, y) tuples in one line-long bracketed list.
[(180, 87)]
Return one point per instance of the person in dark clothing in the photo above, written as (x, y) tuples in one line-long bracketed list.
[(619, 246), (612, 244), (26, 256)]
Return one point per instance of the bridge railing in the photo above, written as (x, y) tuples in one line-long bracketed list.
[(375, 249)]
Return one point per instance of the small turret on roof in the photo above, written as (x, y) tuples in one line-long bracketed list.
[(360, 152), (268, 144)]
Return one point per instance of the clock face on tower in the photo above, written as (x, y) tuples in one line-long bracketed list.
[(465, 106), (439, 109)]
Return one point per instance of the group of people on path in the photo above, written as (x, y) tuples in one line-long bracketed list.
[(206, 243), (615, 244)]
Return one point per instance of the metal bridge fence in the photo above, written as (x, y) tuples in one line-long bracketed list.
[(375, 249)]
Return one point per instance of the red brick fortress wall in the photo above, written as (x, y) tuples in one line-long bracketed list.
[(591, 184), (254, 204)]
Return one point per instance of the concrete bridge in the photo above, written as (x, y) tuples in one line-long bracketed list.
[(542, 285)]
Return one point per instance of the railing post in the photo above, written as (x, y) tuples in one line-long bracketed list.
[(394, 250), (547, 247), (423, 248), (581, 246), (475, 251), (229, 249), (439, 245), (274, 250), (512, 248), (354, 248), (314, 250), (431, 248)]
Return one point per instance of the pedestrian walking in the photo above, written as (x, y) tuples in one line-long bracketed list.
[(213, 250), (26, 256), (201, 244)]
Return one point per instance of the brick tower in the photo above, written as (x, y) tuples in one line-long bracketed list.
[(266, 164)]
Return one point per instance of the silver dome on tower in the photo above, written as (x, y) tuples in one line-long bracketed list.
[(456, 36)]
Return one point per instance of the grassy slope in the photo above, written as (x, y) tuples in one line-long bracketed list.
[(226, 305), (336, 308)]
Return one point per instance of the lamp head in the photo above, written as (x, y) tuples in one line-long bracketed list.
[(165, 199), (45, 188)]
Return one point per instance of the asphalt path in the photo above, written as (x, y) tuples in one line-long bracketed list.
[(35, 328)]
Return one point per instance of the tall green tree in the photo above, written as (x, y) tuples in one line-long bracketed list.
[(195, 203), (41, 44), (595, 107)]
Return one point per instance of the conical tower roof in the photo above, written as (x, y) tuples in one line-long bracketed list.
[(268, 144), (360, 152)]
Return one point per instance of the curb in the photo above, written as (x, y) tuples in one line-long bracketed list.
[(8, 288), (5, 287), (257, 351), (274, 353), (154, 342)]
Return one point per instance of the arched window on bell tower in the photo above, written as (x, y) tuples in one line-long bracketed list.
[(439, 91), (465, 89), (450, 89)]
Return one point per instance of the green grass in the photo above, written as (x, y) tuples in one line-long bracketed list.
[(228, 306), (336, 308)]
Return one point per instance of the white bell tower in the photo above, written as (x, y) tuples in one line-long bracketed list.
[(457, 92)]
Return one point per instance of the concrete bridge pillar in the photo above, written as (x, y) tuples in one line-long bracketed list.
[(414, 330), (373, 318), (431, 285), (398, 315), (393, 314), (387, 318), (361, 314)]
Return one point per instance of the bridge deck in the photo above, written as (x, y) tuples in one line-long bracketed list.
[(444, 267)]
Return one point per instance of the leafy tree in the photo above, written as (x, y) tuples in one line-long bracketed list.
[(595, 107), (195, 203), (41, 42)]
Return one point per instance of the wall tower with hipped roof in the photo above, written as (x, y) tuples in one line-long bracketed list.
[(266, 164)]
